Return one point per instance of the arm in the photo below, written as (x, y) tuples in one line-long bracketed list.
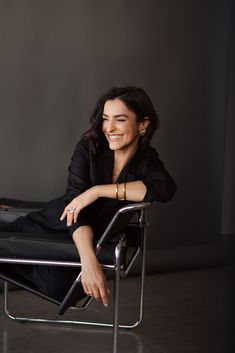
[(135, 191), (159, 184), (92, 278)]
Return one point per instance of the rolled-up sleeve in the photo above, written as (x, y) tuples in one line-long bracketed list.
[(84, 219)]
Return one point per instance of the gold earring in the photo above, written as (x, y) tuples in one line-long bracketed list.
[(142, 132)]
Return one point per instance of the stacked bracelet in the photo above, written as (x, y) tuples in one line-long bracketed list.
[(116, 190), (124, 192)]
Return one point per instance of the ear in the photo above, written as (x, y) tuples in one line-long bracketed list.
[(144, 124)]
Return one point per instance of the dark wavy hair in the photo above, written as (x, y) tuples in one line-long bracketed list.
[(137, 101)]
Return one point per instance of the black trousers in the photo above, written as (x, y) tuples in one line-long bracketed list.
[(50, 280)]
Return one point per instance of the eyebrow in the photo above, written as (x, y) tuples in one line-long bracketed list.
[(117, 115)]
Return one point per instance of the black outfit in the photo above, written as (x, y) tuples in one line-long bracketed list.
[(85, 171)]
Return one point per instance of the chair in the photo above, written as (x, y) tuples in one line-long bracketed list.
[(125, 236)]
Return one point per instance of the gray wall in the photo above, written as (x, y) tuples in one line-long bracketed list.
[(228, 219), (57, 57)]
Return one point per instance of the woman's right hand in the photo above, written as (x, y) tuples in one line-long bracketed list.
[(93, 279)]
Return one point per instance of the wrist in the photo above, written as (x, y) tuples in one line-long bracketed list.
[(97, 191), (102, 190), (121, 191), (88, 257)]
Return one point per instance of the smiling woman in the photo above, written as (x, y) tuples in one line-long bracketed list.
[(121, 128), (122, 131), (112, 165)]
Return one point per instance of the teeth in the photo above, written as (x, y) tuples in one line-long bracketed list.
[(114, 137)]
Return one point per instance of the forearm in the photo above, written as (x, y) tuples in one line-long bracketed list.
[(92, 277), (135, 191), (83, 239), (131, 191)]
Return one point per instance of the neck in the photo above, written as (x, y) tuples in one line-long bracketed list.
[(121, 158)]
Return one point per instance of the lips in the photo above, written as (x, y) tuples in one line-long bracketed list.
[(114, 138)]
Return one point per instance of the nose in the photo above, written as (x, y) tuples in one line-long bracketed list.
[(110, 125)]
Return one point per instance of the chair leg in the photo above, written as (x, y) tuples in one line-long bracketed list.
[(116, 296), (6, 301), (141, 287), (143, 262)]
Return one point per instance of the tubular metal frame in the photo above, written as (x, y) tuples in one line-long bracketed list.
[(141, 250)]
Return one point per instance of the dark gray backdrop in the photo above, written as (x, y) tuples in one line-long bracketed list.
[(57, 57)]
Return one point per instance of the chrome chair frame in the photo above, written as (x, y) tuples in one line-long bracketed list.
[(119, 271)]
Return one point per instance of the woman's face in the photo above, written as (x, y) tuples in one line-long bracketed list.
[(120, 126)]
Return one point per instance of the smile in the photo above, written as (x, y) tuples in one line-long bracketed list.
[(114, 137)]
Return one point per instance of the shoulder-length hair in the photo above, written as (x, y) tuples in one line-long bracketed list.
[(137, 101)]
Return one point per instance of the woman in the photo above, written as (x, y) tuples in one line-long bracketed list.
[(112, 165)]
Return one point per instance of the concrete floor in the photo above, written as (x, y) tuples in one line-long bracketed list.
[(185, 312)]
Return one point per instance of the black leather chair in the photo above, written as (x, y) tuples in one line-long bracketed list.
[(121, 243)]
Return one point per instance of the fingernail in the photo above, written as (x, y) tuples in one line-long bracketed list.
[(106, 305)]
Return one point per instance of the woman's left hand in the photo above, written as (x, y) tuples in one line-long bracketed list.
[(73, 209), (93, 279)]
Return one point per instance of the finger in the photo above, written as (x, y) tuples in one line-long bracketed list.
[(84, 284), (104, 291), (89, 293), (75, 217), (69, 219), (66, 211), (85, 288), (63, 214), (96, 294)]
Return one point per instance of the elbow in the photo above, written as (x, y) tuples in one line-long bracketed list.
[(168, 191), (164, 192), (168, 196), (171, 189)]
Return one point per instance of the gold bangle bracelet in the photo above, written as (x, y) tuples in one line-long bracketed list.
[(116, 190), (124, 191)]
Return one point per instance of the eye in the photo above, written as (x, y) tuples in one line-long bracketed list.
[(121, 119)]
